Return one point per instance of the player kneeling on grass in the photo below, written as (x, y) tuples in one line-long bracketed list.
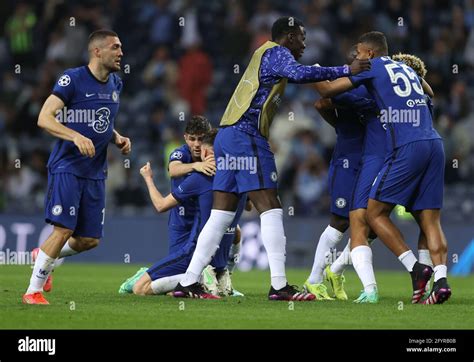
[(164, 275)]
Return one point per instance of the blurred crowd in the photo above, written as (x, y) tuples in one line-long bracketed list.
[(185, 57)]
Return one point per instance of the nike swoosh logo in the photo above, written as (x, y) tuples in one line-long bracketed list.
[(89, 95)]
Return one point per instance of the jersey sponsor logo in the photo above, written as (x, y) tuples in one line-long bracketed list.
[(341, 202), (274, 176), (416, 102), (57, 210), (101, 123), (176, 155), (104, 95), (230, 230), (89, 95), (64, 80)]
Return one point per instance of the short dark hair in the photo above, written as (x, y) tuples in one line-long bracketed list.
[(285, 25), (210, 137), (101, 34), (197, 125), (378, 41)]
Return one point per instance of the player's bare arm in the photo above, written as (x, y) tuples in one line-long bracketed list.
[(427, 88), (331, 89), (325, 107), (162, 204), (48, 122), (123, 143), (207, 167)]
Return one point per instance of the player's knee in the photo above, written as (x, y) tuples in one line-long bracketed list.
[(339, 223), (372, 215), (63, 233), (140, 288), (438, 248), (88, 243)]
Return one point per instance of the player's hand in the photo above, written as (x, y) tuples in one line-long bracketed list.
[(207, 167), (85, 145), (359, 65), (146, 171), (124, 144)]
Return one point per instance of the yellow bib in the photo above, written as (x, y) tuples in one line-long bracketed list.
[(246, 91)]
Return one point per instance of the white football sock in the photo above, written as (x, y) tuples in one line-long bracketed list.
[(43, 266), (408, 259), (207, 244), (440, 271), (166, 284), (328, 239), (233, 257), (424, 257), (343, 260), (362, 262), (274, 240), (67, 250)]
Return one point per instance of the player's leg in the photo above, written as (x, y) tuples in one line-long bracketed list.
[(261, 187), (330, 237), (398, 183), (163, 276), (234, 254), (234, 257), (361, 255), (61, 202), (273, 236), (427, 210), (146, 286), (219, 267), (437, 244), (222, 214), (424, 256), (45, 258), (423, 252)]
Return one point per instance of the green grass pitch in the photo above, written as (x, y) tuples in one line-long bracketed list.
[(85, 296)]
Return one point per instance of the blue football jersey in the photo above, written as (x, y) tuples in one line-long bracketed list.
[(181, 217), (359, 103), (399, 95), (90, 109), (349, 129), (198, 186)]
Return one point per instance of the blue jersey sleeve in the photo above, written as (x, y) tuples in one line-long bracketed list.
[(366, 76), (64, 87), (190, 187), (351, 100), (281, 63), (179, 154)]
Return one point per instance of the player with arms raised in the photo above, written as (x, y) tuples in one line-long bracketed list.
[(77, 167), (245, 129)]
